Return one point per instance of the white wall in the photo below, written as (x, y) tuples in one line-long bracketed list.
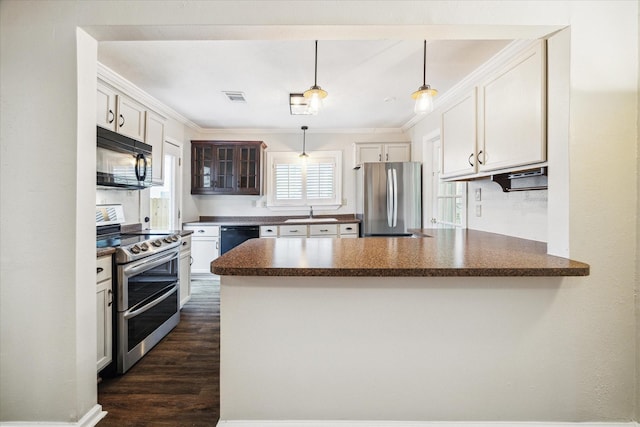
[(321, 141), (47, 258)]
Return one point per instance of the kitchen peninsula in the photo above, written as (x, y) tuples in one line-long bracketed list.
[(441, 327)]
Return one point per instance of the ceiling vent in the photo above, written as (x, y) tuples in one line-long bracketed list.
[(235, 96)]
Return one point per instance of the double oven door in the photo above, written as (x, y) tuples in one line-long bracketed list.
[(148, 305)]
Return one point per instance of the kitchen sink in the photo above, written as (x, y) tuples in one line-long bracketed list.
[(311, 220)]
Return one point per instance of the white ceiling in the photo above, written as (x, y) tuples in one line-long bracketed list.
[(369, 82)]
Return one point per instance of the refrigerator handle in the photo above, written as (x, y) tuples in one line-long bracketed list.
[(395, 198), (389, 198)]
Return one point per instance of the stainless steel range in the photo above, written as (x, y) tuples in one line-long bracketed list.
[(147, 292)]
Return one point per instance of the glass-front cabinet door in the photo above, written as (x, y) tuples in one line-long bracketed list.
[(249, 170), (201, 167), (226, 167)]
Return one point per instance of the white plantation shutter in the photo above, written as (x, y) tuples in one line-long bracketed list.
[(320, 181), (315, 181), (288, 179)]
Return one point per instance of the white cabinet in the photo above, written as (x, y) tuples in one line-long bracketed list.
[(205, 247), (348, 230), (185, 270), (154, 136), (382, 152), (459, 136), (119, 113), (104, 310), (130, 118), (514, 113), (292, 231), (323, 230), (501, 124), (268, 231), (310, 230), (106, 107)]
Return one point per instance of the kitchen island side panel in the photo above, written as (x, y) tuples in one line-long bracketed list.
[(375, 348)]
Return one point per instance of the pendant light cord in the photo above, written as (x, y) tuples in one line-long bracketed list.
[(315, 74), (424, 65)]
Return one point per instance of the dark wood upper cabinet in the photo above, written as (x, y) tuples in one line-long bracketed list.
[(226, 167)]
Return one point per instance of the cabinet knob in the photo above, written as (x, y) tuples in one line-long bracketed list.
[(184, 243)]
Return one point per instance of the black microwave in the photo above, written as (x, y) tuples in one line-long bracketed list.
[(121, 161)]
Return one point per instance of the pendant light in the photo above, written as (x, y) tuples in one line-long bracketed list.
[(304, 134), (424, 95), (315, 94)]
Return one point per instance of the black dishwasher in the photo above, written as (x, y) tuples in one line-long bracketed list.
[(232, 235)]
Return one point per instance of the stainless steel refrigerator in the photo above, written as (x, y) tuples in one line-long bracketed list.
[(389, 198)]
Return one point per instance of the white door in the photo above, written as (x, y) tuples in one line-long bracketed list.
[(449, 203), (165, 199)]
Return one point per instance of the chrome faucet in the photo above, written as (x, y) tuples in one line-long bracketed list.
[(310, 211)]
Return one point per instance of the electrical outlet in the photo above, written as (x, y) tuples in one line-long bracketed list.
[(478, 210), (478, 195)]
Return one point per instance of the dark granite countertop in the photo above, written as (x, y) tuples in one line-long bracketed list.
[(441, 252), (271, 220)]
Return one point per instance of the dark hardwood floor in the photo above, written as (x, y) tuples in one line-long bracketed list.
[(177, 382)]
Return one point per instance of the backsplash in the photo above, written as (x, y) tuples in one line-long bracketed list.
[(135, 203), (520, 213)]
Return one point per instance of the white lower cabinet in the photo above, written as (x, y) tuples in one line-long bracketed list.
[(323, 230), (345, 230), (104, 310), (292, 231), (185, 270), (268, 231), (205, 247), (349, 230)]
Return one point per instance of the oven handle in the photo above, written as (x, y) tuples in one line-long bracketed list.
[(133, 312), (148, 264)]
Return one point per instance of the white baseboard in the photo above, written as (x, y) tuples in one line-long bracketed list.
[(90, 419), (313, 423)]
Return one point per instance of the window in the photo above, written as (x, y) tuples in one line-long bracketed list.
[(313, 181)]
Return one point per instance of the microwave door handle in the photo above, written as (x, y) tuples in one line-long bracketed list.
[(136, 167), (144, 161)]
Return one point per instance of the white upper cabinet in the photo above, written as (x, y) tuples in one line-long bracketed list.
[(154, 136), (130, 120), (381, 152), (106, 107), (514, 113), (500, 124), (459, 137), (119, 113)]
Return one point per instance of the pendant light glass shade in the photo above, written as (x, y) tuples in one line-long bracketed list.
[(424, 95), (315, 94), (304, 142)]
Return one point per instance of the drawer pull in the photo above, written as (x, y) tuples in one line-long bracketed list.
[(293, 231), (349, 228), (324, 231), (269, 230), (200, 231), (99, 270), (184, 243)]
